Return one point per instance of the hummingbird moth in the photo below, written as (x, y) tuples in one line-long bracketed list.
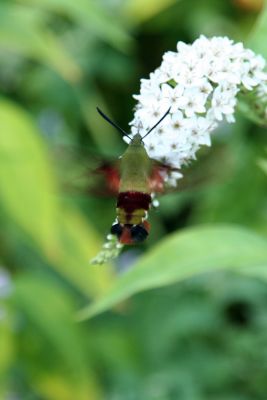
[(137, 178)]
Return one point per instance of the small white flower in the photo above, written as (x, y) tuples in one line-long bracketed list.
[(222, 103), (199, 130), (147, 116), (173, 177), (224, 70), (195, 102), (172, 97), (204, 87), (155, 203), (178, 122)]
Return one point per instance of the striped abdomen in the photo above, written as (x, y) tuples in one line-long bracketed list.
[(132, 208)]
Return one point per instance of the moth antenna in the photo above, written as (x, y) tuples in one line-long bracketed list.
[(112, 123), (161, 119)]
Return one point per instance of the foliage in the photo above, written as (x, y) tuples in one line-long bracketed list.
[(198, 332), (194, 251)]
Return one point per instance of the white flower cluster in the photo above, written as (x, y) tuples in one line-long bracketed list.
[(110, 250), (200, 83)]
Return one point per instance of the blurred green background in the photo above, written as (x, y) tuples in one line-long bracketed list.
[(200, 338)]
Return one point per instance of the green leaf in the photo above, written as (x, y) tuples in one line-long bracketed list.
[(257, 38), (23, 31), (183, 255), (262, 163), (49, 308), (28, 195), (79, 244), (92, 17), (7, 351), (27, 187), (106, 139), (141, 11)]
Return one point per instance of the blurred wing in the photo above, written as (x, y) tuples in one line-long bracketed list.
[(111, 176), (196, 176), (159, 174), (86, 173)]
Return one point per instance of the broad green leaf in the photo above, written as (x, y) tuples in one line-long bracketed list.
[(27, 186), (28, 194), (91, 16), (79, 244), (22, 30), (183, 255), (104, 135), (141, 11), (55, 386), (257, 38), (50, 309), (7, 351)]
